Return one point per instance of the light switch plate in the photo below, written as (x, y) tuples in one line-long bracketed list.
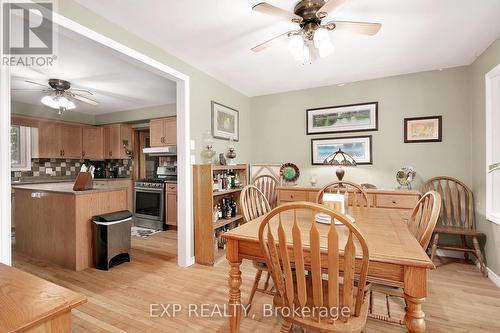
[(193, 145)]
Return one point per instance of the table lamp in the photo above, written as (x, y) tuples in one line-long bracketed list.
[(340, 159)]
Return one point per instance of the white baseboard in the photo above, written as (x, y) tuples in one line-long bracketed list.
[(460, 255)]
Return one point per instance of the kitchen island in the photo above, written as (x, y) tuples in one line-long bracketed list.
[(54, 223)]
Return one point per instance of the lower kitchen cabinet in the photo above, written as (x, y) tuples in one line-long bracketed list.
[(171, 204)]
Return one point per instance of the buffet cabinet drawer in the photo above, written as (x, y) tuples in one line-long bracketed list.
[(396, 201), (286, 196), (171, 188)]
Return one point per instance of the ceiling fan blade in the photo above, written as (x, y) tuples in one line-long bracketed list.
[(85, 99), (38, 84), (364, 28), (268, 9), (270, 42), (329, 7), (81, 91), (29, 90)]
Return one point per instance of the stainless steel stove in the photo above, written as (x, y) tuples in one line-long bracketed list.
[(149, 199)]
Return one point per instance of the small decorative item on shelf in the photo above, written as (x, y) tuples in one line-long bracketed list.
[(405, 176), (231, 154), (340, 159), (313, 180), (208, 153), (222, 159), (290, 173)]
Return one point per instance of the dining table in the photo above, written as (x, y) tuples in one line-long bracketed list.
[(395, 257)]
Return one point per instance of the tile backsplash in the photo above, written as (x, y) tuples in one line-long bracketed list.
[(66, 168)]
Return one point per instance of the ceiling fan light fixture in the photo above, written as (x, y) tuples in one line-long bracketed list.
[(50, 102), (58, 102), (306, 55), (296, 46), (322, 42)]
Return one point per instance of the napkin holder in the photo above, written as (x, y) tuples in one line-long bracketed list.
[(83, 182)]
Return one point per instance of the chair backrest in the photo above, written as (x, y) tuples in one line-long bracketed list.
[(457, 209), (424, 217), (253, 203), (269, 186), (357, 196), (280, 235)]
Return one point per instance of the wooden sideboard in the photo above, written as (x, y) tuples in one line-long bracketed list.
[(404, 200)]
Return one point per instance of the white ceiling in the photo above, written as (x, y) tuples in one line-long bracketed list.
[(117, 84), (216, 36)]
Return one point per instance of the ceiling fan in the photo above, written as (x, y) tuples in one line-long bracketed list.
[(311, 40), (59, 94)]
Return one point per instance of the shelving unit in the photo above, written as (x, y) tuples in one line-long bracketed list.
[(205, 198)]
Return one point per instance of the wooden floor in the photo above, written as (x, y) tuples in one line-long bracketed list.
[(460, 299)]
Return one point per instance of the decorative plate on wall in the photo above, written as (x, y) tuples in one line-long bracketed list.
[(290, 173)]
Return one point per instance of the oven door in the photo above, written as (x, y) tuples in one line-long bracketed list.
[(149, 207)]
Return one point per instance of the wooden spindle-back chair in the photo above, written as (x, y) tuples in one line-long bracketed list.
[(456, 217), (421, 224), (269, 186), (357, 196), (344, 249), (254, 204)]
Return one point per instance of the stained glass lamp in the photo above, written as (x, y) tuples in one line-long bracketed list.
[(340, 159)]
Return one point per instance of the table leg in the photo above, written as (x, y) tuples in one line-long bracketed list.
[(234, 283), (415, 291)]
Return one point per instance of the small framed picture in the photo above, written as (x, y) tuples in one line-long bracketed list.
[(343, 118), (225, 122), (423, 129), (359, 148)]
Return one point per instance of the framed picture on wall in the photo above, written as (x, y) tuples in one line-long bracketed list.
[(343, 118), (359, 148), (423, 129), (225, 122)]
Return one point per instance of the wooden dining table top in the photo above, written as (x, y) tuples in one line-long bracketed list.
[(386, 234)]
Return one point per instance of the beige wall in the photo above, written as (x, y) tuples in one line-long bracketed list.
[(203, 87), (279, 126), (486, 62)]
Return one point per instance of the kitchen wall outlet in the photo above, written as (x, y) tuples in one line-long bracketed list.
[(48, 171)]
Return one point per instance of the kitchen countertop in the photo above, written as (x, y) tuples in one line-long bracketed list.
[(58, 180), (65, 188)]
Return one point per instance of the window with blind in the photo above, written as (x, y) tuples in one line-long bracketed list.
[(493, 145)]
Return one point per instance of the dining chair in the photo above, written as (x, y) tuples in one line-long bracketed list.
[(254, 204), (335, 304), (357, 196), (421, 224), (268, 185), (456, 217)]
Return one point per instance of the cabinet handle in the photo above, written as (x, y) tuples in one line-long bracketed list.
[(393, 201), (83, 153)]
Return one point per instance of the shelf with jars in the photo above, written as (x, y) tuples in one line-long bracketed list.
[(216, 195)]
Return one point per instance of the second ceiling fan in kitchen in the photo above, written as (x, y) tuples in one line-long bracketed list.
[(311, 40)]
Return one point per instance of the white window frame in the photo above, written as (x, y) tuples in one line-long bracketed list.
[(24, 150), (491, 215)]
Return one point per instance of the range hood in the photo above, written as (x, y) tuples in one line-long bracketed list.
[(161, 151)]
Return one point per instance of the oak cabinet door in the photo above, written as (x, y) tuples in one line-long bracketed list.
[(71, 141), (49, 139), (108, 149), (93, 143), (172, 208), (156, 133), (170, 131)]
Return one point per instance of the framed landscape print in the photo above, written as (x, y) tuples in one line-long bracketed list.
[(343, 118), (359, 148), (423, 129), (225, 122)]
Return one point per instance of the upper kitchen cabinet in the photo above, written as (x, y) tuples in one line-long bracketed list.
[(117, 136), (59, 140), (163, 132), (93, 143)]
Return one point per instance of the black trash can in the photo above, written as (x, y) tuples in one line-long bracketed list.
[(112, 239)]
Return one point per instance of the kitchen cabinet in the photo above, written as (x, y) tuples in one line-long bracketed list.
[(163, 132), (12, 208), (115, 137), (118, 183), (93, 143), (171, 204), (56, 140)]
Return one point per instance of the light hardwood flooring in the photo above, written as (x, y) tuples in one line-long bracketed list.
[(460, 299)]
